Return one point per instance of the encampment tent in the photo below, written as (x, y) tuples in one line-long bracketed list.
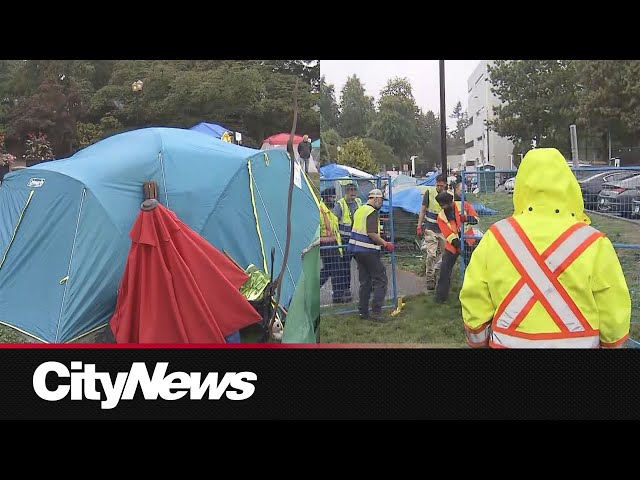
[(329, 175), (279, 141), (211, 129), (64, 228), (315, 153)]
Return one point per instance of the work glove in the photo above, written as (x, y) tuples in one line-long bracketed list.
[(389, 246), (419, 230), (455, 242)]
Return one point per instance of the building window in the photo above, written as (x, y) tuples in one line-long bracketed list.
[(469, 144), (479, 138)]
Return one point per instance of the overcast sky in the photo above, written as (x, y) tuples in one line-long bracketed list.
[(424, 76)]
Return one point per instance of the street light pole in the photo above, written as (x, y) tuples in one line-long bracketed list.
[(443, 121), (486, 106)]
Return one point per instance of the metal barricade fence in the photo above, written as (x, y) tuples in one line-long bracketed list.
[(612, 202), (338, 271)]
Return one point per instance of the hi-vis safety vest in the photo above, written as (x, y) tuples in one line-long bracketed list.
[(329, 232), (539, 283), (360, 241), (451, 228), (431, 214), (346, 221)]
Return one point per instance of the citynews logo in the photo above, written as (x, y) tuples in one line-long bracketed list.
[(176, 385)]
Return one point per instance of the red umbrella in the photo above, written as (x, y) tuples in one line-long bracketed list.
[(177, 287)]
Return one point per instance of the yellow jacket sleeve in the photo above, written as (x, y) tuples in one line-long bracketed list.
[(477, 306), (612, 297)]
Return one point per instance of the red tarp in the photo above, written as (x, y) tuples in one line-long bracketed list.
[(177, 287), (282, 139)]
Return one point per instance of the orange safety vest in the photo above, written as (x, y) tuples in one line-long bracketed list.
[(450, 228), (539, 283)]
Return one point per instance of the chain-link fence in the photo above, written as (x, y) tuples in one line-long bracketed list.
[(612, 201), (339, 278)]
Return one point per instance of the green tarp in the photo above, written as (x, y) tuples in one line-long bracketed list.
[(303, 318)]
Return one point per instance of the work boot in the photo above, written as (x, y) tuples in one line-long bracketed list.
[(431, 283)]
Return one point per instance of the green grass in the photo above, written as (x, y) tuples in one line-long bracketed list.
[(421, 321), (9, 335)]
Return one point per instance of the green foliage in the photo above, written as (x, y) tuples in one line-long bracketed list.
[(381, 153), (356, 154), (395, 124), (88, 133), (78, 102), (328, 106), (356, 109), (539, 101), (330, 140)]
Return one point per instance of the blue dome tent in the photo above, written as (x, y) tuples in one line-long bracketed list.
[(64, 228)]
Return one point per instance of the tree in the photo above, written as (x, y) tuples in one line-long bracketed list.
[(330, 140), (254, 97), (328, 106), (396, 121), (462, 122), (429, 153), (356, 109), (608, 98), (356, 154), (381, 153), (538, 101)]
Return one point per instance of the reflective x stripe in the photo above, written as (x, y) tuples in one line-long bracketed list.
[(499, 339), (540, 284)]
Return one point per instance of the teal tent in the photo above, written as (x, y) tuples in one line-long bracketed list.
[(64, 227), (315, 144)]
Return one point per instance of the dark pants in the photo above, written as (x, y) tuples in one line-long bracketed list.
[(373, 279), (444, 280), (332, 268), (346, 265)]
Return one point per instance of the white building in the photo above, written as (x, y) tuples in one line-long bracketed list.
[(495, 150)]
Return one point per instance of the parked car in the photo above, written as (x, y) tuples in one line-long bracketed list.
[(617, 197), (592, 185), (509, 184)]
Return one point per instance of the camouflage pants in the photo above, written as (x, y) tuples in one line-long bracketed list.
[(432, 246)]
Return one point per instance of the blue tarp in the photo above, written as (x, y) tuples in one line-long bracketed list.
[(211, 129), (333, 170), (410, 200), (429, 180), (59, 276)]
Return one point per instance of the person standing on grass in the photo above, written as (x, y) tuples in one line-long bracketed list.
[(432, 243), (344, 210), (365, 244), (543, 277)]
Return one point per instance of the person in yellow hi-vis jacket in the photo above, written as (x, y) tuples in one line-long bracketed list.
[(330, 237), (544, 278)]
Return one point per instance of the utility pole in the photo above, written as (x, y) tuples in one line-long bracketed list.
[(486, 106), (443, 121), (574, 145)]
